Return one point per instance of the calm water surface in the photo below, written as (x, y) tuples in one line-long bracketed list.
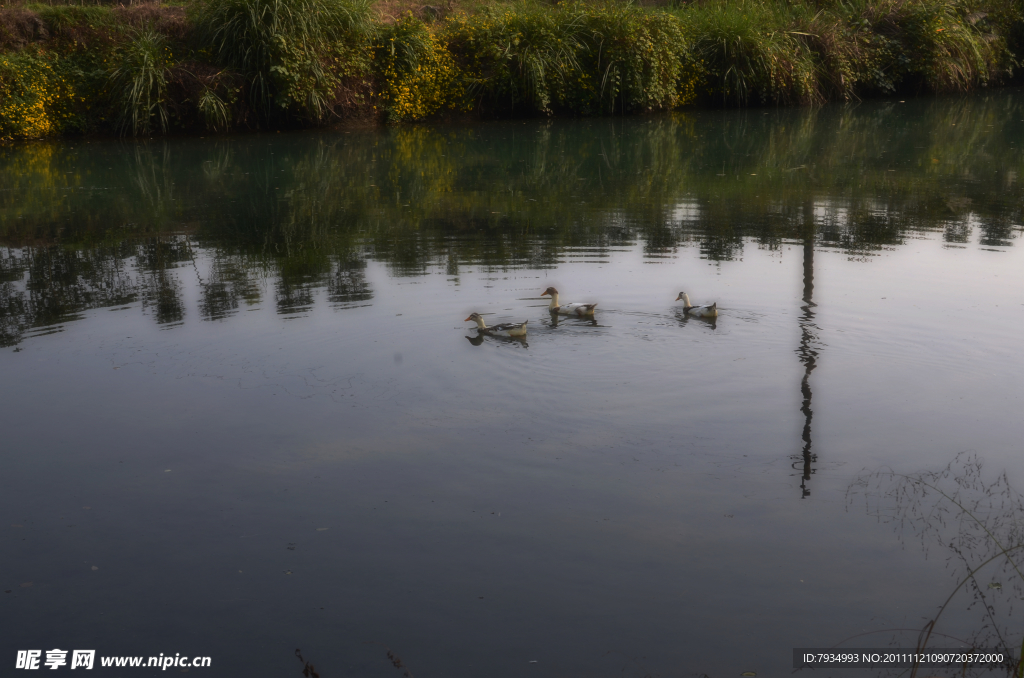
[(242, 413)]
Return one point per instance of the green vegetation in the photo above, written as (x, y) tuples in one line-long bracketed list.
[(222, 64), (139, 81), (293, 53)]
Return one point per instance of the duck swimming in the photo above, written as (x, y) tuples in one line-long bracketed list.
[(578, 310), (503, 330), (706, 311)]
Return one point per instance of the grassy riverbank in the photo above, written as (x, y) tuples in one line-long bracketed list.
[(218, 65)]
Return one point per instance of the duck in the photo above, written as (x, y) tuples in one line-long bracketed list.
[(503, 330), (706, 311), (578, 310)]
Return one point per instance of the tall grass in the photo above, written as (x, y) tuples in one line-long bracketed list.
[(931, 42), (293, 52), (214, 111), (634, 60), (752, 53), (768, 51), (575, 58), (76, 27), (62, 18), (139, 84), (520, 56), (302, 62)]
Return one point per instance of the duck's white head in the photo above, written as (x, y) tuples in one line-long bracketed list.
[(551, 291), (682, 297), (478, 319)]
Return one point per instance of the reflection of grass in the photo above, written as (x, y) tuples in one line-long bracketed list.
[(517, 195), (977, 520), (642, 174)]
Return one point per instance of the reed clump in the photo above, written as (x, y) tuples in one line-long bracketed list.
[(295, 54), (634, 60), (221, 64), (139, 83), (760, 52), (577, 58)]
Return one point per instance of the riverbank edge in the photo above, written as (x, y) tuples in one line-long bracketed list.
[(149, 69)]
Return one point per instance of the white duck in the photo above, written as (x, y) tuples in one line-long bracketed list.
[(706, 311), (578, 310), (503, 330)]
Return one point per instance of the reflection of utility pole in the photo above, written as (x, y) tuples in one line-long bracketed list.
[(807, 351)]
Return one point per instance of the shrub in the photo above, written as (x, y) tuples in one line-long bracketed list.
[(418, 76), (37, 95)]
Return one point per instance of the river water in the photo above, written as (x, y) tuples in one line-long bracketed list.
[(242, 413)]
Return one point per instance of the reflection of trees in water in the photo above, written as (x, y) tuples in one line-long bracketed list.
[(162, 294), (299, 211), (347, 286), (997, 231), (219, 300), (977, 523), (161, 289), (227, 285), (41, 286)]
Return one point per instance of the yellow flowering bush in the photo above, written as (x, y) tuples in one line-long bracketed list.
[(35, 96), (418, 75)]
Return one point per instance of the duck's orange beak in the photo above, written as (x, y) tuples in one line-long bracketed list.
[(468, 319), (544, 293)]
